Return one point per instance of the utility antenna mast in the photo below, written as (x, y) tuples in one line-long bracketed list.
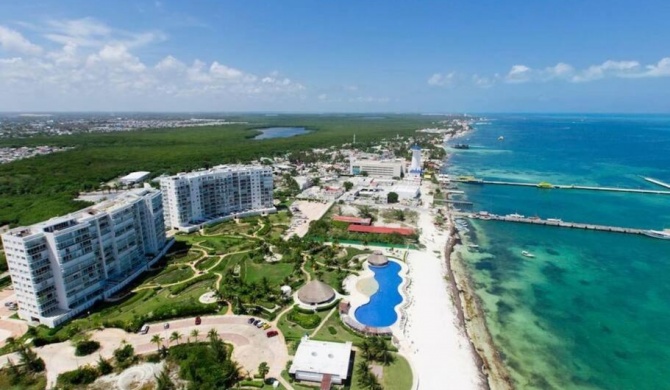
[(354, 140)]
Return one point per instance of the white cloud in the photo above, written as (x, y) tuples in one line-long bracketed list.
[(519, 74), (88, 64), (12, 40), (484, 82), (609, 68), (442, 80), (660, 69)]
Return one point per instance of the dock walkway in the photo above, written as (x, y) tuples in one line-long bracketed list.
[(551, 222), (570, 187)]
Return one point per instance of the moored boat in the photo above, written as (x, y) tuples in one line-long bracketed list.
[(663, 235), (527, 254)]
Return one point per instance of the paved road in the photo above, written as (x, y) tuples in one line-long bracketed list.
[(252, 346)]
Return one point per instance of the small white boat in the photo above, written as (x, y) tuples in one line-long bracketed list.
[(501, 138), (527, 254), (663, 235)]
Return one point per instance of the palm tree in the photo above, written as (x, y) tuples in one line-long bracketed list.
[(213, 335), (195, 333), (163, 381), (158, 340), (263, 369), (175, 336)]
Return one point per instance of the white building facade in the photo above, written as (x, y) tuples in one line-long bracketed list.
[(194, 198), (377, 168), (63, 266)]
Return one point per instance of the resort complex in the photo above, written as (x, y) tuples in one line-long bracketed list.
[(63, 266), (305, 268), (211, 195)]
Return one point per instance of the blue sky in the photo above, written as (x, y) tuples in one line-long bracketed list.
[(344, 56)]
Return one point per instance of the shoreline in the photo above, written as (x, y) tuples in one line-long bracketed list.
[(433, 334), (472, 319), (469, 310)]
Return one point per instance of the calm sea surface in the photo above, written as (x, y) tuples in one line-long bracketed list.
[(592, 309)]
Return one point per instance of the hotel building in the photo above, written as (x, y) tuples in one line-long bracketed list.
[(226, 191), (61, 267), (377, 168)]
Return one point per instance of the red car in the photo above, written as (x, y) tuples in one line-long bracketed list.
[(198, 320), (272, 333)]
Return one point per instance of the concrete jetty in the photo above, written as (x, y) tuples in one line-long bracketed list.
[(550, 222), (657, 182), (564, 187)]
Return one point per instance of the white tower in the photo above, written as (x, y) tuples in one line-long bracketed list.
[(415, 167)]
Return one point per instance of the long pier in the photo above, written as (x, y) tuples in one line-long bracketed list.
[(566, 187), (550, 222), (657, 182)]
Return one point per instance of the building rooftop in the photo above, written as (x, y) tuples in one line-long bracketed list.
[(380, 230), (135, 176), (322, 357), (316, 292)]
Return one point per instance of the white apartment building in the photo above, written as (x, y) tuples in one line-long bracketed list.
[(62, 266), (377, 168), (226, 191)]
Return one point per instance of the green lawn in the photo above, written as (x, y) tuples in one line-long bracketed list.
[(173, 275), (334, 330), (275, 272), (207, 263), (184, 257), (397, 375)]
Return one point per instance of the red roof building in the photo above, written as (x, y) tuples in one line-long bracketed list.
[(354, 220), (380, 230)]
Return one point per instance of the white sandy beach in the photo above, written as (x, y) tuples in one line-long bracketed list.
[(439, 348)]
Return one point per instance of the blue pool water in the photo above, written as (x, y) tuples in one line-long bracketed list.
[(280, 132), (380, 311)]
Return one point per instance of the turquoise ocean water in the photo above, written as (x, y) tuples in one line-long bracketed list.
[(592, 309)]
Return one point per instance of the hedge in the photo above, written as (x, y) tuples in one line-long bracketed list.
[(306, 321), (86, 347), (252, 384), (81, 376)]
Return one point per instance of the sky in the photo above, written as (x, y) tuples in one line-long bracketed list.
[(432, 56)]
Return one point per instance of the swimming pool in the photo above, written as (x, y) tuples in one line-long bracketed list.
[(380, 311)]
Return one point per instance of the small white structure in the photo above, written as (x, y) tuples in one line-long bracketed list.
[(316, 360), (303, 182), (134, 178), (377, 168), (415, 167), (286, 290), (407, 191)]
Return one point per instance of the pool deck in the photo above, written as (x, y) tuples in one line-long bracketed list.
[(360, 296)]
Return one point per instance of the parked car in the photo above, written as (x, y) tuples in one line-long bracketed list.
[(166, 325), (272, 333), (255, 323), (10, 303), (251, 320), (198, 320), (145, 329), (267, 326), (260, 324)]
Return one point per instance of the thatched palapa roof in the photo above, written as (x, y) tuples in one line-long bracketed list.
[(316, 292), (377, 258)]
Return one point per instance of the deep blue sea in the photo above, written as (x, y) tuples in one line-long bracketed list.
[(592, 309)]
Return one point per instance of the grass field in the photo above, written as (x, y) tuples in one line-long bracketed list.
[(333, 330), (173, 275)]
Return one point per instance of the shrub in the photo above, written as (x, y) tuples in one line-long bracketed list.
[(306, 321), (81, 376), (86, 347), (332, 330), (104, 367)]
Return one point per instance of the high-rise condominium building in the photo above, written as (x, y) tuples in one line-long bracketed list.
[(226, 191), (62, 266)]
